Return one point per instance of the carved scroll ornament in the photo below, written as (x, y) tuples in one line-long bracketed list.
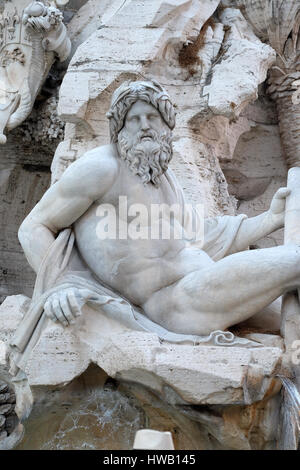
[(30, 41)]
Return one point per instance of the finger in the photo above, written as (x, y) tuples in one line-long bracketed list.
[(282, 193), (56, 308), (48, 311), (85, 293), (73, 302), (65, 307)]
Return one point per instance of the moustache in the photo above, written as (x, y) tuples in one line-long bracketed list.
[(143, 135)]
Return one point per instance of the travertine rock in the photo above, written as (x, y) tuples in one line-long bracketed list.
[(180, 373), (11, 431), (12, 309), (277, 23), (24, 177), (91, 77), (256, 168), (43, 126), (165, 379), (241, 68), (31, 37)]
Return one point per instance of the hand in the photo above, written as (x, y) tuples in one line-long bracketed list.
[(65, 306), (277, 207)]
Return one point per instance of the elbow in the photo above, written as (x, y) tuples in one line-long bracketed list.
[(32, 229), (24, 232), (28, 230)]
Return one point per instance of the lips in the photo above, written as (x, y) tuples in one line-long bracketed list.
[(147, 136)]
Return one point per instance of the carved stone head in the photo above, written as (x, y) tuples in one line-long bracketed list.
[(141, 118), (128, 94)]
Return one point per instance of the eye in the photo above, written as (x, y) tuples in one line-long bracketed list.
[(133, 119)]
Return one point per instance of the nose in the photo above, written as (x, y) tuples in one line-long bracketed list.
[(145, 126)]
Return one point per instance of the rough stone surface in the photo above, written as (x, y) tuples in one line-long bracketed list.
[(256, 168), (217, 375), (12, 309), (24, 177), (11, 430), (32, 36), (232, 404), (43, 127), (243, 65), (181, 374), (94, 412)]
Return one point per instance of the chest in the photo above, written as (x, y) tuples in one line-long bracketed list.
[(130, 196)]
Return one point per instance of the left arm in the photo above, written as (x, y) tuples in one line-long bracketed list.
[(255, 228)]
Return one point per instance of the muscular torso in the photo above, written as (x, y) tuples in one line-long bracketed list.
[(136, 268)]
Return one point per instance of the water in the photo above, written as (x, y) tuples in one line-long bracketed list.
[(103, 419), (290, 414)]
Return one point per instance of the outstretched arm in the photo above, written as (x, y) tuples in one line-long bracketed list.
[(83, 182), (255, 228)]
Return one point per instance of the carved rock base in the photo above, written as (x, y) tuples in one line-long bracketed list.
[(200, 374)]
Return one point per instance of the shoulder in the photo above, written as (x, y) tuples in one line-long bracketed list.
[(92, 173), (101, 161)]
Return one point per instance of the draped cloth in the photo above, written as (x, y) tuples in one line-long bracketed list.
[(57, 272)]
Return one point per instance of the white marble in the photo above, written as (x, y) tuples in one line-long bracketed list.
[(173, 281), (31, 37), (151, 439)]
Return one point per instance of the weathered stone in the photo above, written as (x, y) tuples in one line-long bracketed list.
[(257, 167), (32, 35), (11, 423), (10, 441), (4, 397), (24, 177), (12, 311), (2, 422), (3, 434), (86, 89), (63, 354), (243, 66), (5, 409)]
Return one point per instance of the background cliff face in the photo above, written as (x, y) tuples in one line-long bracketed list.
[(228, 158)]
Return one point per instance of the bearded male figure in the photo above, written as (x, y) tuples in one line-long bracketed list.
[(184, 287)]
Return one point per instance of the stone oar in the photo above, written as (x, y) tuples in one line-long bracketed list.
[(290, 323)]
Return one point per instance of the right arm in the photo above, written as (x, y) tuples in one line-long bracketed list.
[(83, 182)]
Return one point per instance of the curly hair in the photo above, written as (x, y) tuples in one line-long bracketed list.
[(129, 93)]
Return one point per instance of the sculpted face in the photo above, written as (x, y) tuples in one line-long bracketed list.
[(144, 143), (142, 118)]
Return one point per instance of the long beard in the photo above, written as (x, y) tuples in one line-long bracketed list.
[(148, 159)]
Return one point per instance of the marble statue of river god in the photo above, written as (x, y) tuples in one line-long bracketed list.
[(187, 286)]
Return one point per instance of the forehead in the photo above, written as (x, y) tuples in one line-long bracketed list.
[(141, 107)]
